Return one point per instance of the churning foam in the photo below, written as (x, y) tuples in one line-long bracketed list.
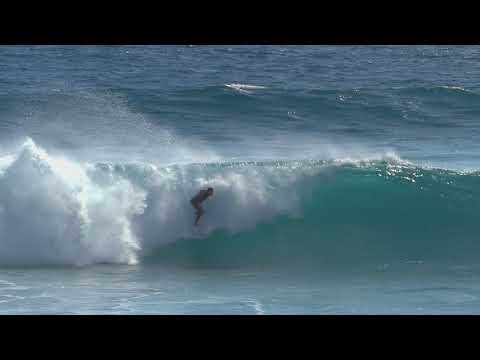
[(52, 213), (56, 211)]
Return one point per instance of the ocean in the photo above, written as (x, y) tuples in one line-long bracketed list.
[(346, 179)]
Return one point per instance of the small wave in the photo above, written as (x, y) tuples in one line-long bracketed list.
[(446, 90), (454, 88), (244, 88), (257, 306)]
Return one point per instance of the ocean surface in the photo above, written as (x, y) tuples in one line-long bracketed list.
[(346, 179)]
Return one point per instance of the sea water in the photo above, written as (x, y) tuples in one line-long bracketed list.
[(346, 179)]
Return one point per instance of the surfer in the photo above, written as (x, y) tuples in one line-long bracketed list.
[(197, 201)]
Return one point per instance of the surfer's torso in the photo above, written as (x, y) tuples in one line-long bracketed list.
[(200, 197)]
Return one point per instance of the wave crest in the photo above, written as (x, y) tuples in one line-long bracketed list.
[(57, 211)]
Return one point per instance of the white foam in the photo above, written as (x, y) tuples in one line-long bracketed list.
[(257, 306), (51, 213), (57, 211), (460, 88), (244, 88), (243, 197)]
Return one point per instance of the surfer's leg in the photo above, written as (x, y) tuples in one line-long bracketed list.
[(200, 212)]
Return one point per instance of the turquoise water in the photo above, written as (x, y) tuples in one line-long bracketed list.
[(416, 289), (346, 179)]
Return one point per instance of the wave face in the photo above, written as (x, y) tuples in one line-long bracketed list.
[(274, 213)]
